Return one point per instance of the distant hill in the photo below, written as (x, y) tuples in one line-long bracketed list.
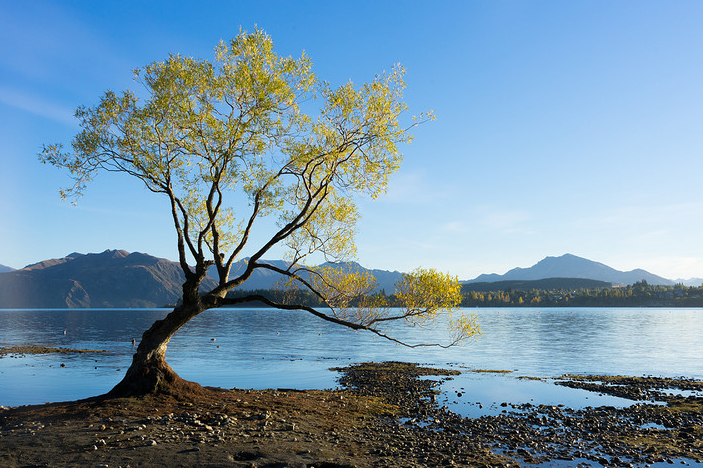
[(385, 280), (571, 266), (547, 284), (113, 278), (5, 269), (267, 279), (690, 282), (260, 278), (117, 279)]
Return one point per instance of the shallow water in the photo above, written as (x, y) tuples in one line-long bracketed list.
[(484, 394), (265, 348)]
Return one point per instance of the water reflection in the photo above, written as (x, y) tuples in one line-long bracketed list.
[(264, 348), (488, 394)]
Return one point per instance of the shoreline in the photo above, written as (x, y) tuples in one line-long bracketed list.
[(494, 306), (386, 415), (21, 351)]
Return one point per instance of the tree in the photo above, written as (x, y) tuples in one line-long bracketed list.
[(227, 144)]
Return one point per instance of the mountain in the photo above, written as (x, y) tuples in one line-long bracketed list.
[(571, 266), (690, 282), (110, 279), (385, 280), (260, 278), (5, 269), (267, 279), (547, 284), (116, 279)]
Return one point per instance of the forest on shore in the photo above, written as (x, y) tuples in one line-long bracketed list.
[(559, 294), (640, 294)]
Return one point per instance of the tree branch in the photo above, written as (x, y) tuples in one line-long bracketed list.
[(181, 243), (316, 313), (276, 305)]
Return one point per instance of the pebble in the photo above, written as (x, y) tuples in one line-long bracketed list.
[(538, 434)]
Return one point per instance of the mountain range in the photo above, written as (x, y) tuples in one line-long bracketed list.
[(119, 279), (113, 278), (571, 266), (697, 282), (267, 279), (543, 284)]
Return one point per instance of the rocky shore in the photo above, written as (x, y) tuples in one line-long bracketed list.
[(21, 351), (386, 415), (668, 427)]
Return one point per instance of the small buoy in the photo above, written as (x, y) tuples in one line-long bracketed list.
[(64, 332)]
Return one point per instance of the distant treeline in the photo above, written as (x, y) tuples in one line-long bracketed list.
[(547, 284), (639, 294), (299, 296), (552, 292)]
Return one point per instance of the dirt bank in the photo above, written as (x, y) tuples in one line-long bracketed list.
[(21, 351), (386, 416)]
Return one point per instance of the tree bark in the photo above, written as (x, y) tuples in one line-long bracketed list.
[(149, 372)]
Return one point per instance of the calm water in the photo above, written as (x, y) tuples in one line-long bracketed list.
[(265, 348)]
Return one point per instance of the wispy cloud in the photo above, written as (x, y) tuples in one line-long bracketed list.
[(37, 106), (662, 238), (670, 266), (646, 225), (642, 214), (414, 188), (113, 212), (506, 222), (456, 227)]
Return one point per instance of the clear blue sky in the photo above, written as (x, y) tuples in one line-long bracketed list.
[(562, 126)]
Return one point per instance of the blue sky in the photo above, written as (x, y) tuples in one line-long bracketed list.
[(561, 126)]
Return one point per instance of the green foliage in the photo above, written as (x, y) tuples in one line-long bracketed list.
[(639, 294), (566, 284), (227, 143)]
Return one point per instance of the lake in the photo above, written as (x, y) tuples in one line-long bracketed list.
[(265, 348)]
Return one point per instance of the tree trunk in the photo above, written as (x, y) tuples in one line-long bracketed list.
[(149, 372)]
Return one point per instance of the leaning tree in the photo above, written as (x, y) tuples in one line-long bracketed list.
[(228, 144)]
